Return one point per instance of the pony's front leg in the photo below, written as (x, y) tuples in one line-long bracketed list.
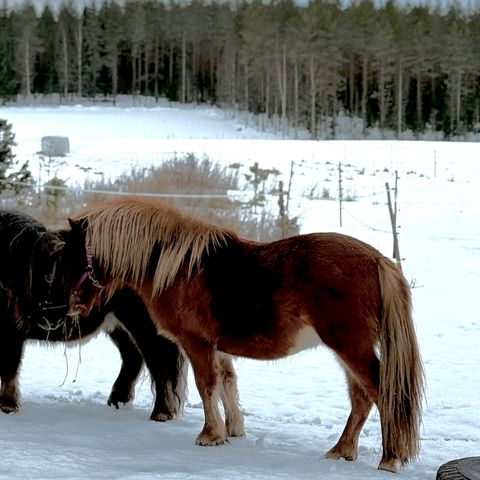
[(11, 350), (123, 390), (9, 395), (206, 368)]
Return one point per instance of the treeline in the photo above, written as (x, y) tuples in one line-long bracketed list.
[(413, 68)]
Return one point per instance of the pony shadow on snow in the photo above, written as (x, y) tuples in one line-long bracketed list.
[(39, 271)]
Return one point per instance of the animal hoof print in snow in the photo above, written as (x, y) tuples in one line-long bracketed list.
[(460, 469)]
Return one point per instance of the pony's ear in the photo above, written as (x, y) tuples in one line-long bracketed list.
[(73, 223), (78, 224)]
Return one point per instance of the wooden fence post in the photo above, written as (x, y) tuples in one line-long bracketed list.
[(393, 220), (340, 191)]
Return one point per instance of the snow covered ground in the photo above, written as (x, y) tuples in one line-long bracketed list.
[(296, 407)]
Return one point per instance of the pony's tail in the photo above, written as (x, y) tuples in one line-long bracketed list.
[(401, 369)]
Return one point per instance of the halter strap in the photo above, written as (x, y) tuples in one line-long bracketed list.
[(88, 274)]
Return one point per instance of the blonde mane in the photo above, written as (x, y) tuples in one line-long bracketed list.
[(124, 233)]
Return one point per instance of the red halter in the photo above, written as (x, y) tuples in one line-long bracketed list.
[(88, 274)]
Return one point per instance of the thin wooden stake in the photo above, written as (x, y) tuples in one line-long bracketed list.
[(340, 191), (393, 220)]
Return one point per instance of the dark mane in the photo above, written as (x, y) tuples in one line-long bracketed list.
[(25, 239)]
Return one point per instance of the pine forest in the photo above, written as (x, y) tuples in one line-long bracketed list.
[(393, 67)]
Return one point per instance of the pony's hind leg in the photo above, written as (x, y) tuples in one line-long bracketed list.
[(163, 358), (347, 445), (364, 367), (229, 395), (206, 368), (168, 368)]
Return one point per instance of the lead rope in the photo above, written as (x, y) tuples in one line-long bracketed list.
[(66, 356), (90, 275), (79, 353)]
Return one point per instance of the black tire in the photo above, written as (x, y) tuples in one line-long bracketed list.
[(460, 469)]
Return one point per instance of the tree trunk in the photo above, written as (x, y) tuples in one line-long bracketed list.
[(28, 87), (65, 63), (295, 100), (433, 101), (233, 92), (246, 92), (351, 82), (170, 65), (334, 104), (313, 99), (419, 102), (458, 100), (134, 71), (195, 73), (146, 70), (79, 45), (213, 68), (267, 92), (156, 67), (399, 99), (382, 105), (364, 91), (183, 95), (284, 92), (282, 86), (114, 68)]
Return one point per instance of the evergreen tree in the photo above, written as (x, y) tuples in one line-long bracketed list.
[(27, 45), (46, 79), (66, 49), (7, 75), (112, 23), (12, 180), (91, 51)]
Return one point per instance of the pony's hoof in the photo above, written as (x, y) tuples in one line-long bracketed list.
[(210, 441), (389, 465), (237, 430), (9, 408), (336, 454), (116, 398), (161, 417), (112, 403)]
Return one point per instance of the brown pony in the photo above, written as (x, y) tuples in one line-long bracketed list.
[(218, 296)]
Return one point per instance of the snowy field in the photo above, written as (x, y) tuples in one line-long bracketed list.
[(295, 408)]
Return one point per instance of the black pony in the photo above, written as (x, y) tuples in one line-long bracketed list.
[(40, 269)]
